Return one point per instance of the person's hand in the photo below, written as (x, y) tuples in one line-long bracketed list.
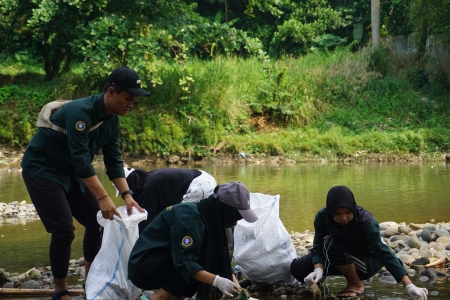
[(314, 276), (416, 293), (129, 203), (226, 286), (108, 208)]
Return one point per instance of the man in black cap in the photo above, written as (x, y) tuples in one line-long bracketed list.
[(59, 176)]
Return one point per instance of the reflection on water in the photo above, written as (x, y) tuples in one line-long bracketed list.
[(392, 192)]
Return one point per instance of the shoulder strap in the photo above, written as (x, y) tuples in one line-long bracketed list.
[(48, 110)]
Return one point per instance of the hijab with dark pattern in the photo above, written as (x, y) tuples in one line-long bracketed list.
[(342, 196)]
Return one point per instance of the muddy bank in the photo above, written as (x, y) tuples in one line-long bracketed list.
[(10, 158)]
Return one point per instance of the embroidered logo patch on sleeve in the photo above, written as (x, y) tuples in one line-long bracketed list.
[(187, 241), (80, 126)]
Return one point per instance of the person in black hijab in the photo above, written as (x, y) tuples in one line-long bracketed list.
[(158, 189), (184, 250), (347, 242)]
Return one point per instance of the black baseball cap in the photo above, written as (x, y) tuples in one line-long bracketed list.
[(129, 79)]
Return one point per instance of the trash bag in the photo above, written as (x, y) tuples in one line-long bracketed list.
[(263, 250), (108, 275)]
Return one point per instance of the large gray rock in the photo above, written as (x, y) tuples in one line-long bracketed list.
[(390, 231), (427, 253), (404, 229), (444, 226), (398, 245), (407, 259), (436, 246), (430, 273), (441, 232), (388, 279), (426, 235), (411, 272), (400, 237), (430, 227), (413, 242), (443, 240), (421, 261), (444, 254), (30, 284)]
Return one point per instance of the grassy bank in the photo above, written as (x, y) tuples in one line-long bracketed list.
[(329, 105)]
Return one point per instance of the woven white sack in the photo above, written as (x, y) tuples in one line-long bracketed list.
[(263, 250), (108, 276)]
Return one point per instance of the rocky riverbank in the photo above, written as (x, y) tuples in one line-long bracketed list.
[(423, 248), (10, 158)]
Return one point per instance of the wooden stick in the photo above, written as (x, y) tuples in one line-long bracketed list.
[(37, 292), (432, 264), (436, 262)]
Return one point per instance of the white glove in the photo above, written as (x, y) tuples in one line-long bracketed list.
[(416, 293), (314, 276), (226, 286)]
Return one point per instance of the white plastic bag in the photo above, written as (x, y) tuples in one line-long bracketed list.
[(108, 275), (263, 250)]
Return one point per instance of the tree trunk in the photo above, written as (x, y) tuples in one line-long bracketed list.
[(375, 16), (423, 34)]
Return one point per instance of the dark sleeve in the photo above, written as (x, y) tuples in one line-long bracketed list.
[(149, 200), (382, 251), (187, 235), (112, 156), (319, 235), (77, 122)]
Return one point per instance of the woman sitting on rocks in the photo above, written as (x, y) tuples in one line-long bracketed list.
[(347, 242)]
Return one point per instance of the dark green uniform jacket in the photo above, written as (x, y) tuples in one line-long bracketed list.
[(174, 236), (367, 241), (59, 157)]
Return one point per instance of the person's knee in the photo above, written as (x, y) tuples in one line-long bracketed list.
[(63, 237), (298, 269)]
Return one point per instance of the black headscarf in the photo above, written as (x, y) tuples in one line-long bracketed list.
[(215, 257), (341, 196)]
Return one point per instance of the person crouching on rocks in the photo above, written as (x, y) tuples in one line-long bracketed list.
[(184, 250), (347, 242)]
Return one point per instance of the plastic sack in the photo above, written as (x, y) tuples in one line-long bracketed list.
[(263, 250), (108, 275)]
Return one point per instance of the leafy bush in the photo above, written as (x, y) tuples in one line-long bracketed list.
[(18, 118)]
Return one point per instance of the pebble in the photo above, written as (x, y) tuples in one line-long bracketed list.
[(406, 242), (17, 209)]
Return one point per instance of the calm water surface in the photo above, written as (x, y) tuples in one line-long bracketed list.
[(392, 192)]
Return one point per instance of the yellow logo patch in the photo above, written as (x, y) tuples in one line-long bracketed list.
[(80, 126), (187, 241)]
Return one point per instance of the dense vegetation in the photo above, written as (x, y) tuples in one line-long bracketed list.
[(292, 78)]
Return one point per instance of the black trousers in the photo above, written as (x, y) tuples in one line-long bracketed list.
[(56, 208), (163, 275)]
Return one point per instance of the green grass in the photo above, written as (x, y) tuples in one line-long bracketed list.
[(322, 105)]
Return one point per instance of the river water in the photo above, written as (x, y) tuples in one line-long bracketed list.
[(411, 193)]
